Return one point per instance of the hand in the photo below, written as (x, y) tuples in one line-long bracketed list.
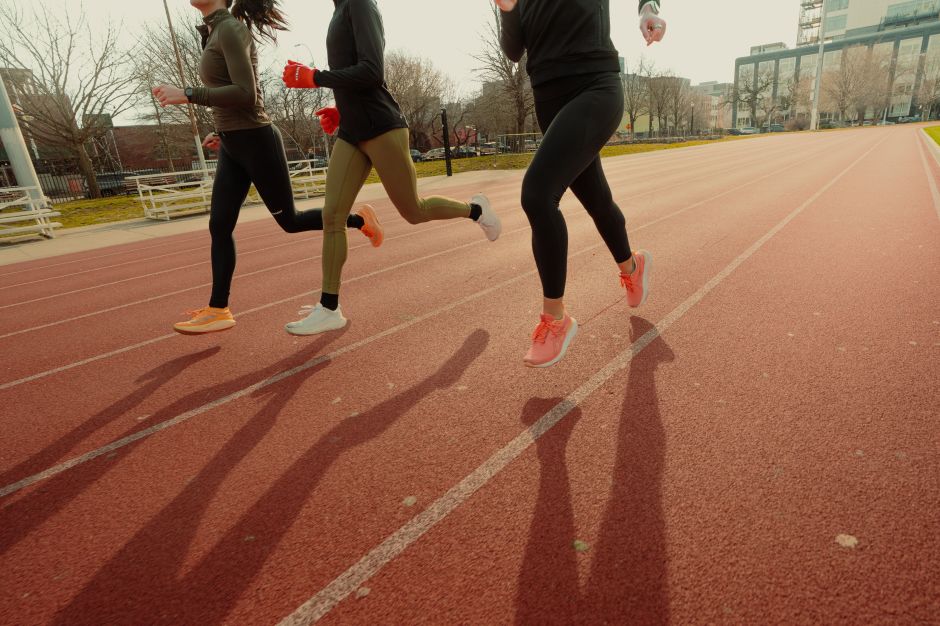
[(329, 119), (506, 5), (299, 76), (211, 142), (167, 94), (652, 26)]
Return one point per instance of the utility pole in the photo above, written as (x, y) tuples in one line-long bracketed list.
[(192, 113), (450, 171), (814, 117)]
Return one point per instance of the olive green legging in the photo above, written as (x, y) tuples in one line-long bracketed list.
[(349, 167)]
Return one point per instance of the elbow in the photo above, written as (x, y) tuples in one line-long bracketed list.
[(512, 52)]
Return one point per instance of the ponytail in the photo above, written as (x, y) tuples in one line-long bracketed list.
[(264, 17)]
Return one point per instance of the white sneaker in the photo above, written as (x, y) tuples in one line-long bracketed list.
[(488, 221), (320, 320)]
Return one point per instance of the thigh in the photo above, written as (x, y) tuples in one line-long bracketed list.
[(392, 160), (348, 169), (229, 190), (266, 162)]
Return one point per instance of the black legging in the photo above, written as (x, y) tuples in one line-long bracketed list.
[(250, 156), (577, 116)]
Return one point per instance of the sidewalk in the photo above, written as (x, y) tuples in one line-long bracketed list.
[(73, 240)]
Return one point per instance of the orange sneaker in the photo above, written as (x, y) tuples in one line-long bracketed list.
[(372, 228), (550, 340), (637, 284), (206, 320)]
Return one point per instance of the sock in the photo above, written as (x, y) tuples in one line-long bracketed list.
[(355, 221), (329, 300), (476, 211)]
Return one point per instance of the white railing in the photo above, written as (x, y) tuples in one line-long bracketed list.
[(173, 194), (21, 212)]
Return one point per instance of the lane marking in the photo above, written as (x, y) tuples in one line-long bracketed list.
[(396, 543)]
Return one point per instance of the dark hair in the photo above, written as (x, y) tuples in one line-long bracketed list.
[(262, 16)]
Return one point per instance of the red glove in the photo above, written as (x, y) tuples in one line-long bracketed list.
[(299, 76), (329, 119)]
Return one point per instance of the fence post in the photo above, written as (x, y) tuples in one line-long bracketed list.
[(450, 172)]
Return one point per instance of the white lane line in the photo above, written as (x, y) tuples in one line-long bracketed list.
[(930, 177), (354, 577), (106, 355)]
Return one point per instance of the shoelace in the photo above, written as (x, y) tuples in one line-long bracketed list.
[(626, 282), (542, 330), (196, 312)]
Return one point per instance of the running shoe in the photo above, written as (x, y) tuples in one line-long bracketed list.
[(372, 228), (550, 340), (488, 221), (320, 320), (206, 320), (637, 284)]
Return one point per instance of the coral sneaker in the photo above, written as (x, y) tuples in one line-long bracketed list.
[(206, 320), (550, 340), (637, 284), (372, 228)]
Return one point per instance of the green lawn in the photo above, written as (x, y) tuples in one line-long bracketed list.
[(118, 208), (934, 132)]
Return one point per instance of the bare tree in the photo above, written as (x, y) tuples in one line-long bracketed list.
[(636, 92), (659, 95), (512, 77), (751, 88), (419, 88), (76, 82), (292, 111), (678, 101), (929, 92)]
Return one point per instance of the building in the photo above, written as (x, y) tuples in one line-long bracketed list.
[(712, 105), (900, 43)]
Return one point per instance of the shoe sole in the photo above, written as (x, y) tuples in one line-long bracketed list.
[(215, 327), (564, 347), (645, 286), (300, 333)]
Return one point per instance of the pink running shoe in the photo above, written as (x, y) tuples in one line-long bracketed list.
[(550, 341), (637, 284)]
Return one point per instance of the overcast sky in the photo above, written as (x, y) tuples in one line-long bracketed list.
[(703, 39)]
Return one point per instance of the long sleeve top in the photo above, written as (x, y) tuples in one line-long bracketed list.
[(229, 70), (355, 46), (561, 38)]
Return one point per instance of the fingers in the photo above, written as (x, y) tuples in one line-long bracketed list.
[(322, 111), (506, 5)]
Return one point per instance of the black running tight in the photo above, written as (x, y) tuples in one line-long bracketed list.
[(250, 156), (577, 116)]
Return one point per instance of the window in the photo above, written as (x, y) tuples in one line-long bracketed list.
[(837, 5), (835, 23)]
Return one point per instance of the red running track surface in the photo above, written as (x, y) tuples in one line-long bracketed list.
[(757, 444)]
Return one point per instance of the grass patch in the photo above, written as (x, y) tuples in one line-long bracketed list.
[(118, 208), (934, 132)]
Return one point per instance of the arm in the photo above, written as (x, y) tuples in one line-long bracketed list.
[(369, 71), (236, 47), (510, 34)]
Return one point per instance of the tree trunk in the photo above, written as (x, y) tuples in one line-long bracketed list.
[(88, 171)]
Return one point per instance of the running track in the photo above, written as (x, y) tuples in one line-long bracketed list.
[(758, 444)]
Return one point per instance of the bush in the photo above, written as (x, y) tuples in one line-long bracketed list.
[(799, 123)]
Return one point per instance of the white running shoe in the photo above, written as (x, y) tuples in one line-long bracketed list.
[(320, 320), (488, 221)]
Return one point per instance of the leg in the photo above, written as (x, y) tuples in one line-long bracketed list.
[(593, 191), (228, 193), (392, 160)]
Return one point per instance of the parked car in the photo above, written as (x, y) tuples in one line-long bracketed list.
[(886, 123), (773, 128), (434, 154), (465, 151), (416, 155), (831, 124), (111, 183), (909, 119), (748, 130)]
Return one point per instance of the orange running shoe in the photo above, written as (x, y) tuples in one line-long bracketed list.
[(637, 284), (372, 228), (206, 320), (550, 340)]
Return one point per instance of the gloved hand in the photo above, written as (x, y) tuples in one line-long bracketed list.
[(329, 119), (212, 141), (652, 26), (299, 76), (506, 5)]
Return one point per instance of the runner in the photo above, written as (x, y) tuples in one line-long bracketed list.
[(250, 148), (575, 74), (372, 133)]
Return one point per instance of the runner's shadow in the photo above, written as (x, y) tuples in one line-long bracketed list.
[(151, 568), (627, 580), (50, 496)]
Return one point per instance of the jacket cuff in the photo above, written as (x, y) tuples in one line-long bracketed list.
[(200, 96)]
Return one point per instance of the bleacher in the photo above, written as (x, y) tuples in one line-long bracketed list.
[(21, 213)]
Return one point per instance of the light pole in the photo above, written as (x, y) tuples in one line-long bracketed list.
[(189, 107), (814, 116)]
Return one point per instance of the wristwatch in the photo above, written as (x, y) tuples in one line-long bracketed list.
[(188, 91), (653, 5)]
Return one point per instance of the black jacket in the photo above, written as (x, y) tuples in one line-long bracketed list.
[(355, 47), (561, 37)]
